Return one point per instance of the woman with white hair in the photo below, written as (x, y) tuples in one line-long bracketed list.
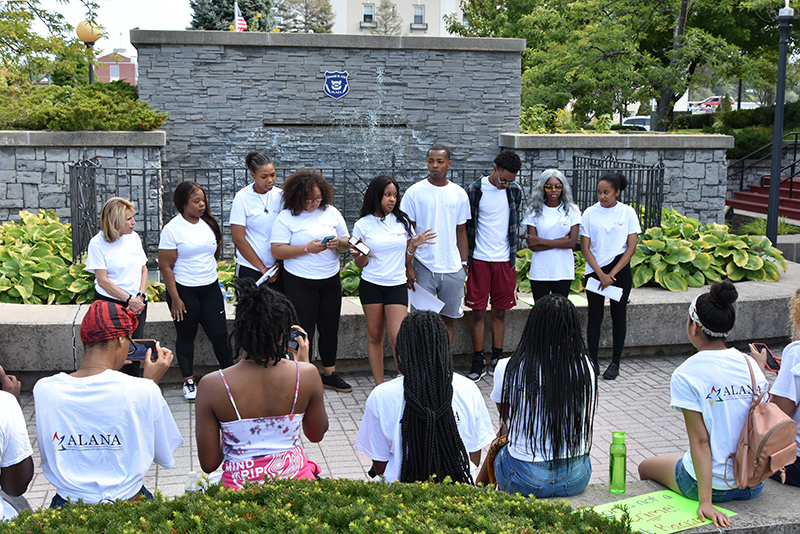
[(553, 225)]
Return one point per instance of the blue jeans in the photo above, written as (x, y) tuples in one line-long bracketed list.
[(556, 478), (688, 487), (60, 502), (792, 473)]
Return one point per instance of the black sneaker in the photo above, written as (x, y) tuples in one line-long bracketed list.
[(492, 365), (478, 369), (612, 372), (335, 382)]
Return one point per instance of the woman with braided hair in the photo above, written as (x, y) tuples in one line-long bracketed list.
[(546, 395), (428, 421), (260, 405)]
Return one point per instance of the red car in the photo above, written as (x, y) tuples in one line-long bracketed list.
[(710, 102)]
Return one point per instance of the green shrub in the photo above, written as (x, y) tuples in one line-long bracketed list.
[(535, 119), (683, 253), (759, 227), (100, 106), (749, 140), (351, 277), (327, 505)]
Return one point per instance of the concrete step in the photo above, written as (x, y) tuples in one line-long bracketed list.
[(761, 207), (763, 198)]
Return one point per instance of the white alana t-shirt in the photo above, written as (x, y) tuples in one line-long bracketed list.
[(608, 228), (123, 260), (387, 240), (99, 435), (716, 383), (305, 228), (491, 232), (787, 385), (518, 448), (379, 435), (196, 245), (440, 209), (256, 213), (14, 443), (553, 223)]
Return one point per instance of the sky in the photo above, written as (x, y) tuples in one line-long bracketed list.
[(118, 17)]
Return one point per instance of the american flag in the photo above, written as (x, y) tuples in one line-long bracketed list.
[(241, 24)]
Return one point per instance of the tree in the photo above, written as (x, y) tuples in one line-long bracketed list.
[(27, 56), (306, 16), (387, 21), (601, 55), (218, 14)]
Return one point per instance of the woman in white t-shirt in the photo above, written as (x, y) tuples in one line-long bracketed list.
[(785, 392), (188, 251), (609, 232), (308, 236), (546, 395), (713, 390), (119, 264), (383, 292), (553, 225), (254, 210)]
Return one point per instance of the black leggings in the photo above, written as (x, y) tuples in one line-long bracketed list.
[(318, 304), (540, 288), (132, 368), (204, 306), (619, 311)]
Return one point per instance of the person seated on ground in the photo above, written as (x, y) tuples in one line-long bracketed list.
[(260, 404), (16, 464), (713, 389), (99, 430), (428, 421), (785, 392), (546, 395)]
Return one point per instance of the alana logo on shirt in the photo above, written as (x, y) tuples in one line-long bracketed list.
[(67, 442), (727, 392)]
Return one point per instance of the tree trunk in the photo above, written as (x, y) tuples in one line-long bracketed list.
[(668, 97)]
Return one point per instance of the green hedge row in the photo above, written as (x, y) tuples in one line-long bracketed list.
[(327, 505)]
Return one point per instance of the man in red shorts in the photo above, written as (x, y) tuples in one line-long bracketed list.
[(495, 202)]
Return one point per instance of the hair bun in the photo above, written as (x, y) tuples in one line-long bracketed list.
[(723, 293)]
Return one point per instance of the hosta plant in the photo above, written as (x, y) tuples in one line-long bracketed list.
[(684, 253), (351, 277)]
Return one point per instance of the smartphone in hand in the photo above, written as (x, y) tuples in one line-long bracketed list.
[(141, 346), (293, 344), (772, 364), (325, 240)]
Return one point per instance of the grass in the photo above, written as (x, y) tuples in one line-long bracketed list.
[(759, 227)]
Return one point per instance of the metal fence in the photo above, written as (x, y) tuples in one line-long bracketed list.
[(150, 191)]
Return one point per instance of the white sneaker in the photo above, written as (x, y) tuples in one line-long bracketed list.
[(189, 390)]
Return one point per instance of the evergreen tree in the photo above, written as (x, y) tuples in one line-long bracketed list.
[(306, 16), (218, 14), (387, 20)]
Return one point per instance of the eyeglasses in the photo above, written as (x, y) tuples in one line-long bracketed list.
[(550, 187), (131, 347), (312, 200)]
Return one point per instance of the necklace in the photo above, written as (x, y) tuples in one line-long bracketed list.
[(383, 221), (259, 198)]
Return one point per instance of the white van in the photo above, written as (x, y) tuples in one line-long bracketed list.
[(638, 120)]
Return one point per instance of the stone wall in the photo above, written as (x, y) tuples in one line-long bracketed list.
[(695, 179), (227, 93)]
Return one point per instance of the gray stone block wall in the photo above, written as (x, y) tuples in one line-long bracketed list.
[(227, 94)]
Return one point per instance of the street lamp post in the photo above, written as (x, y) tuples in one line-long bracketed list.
[(785, 19), (89, 34)]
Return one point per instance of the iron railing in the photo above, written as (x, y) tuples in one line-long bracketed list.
[(791, 145)]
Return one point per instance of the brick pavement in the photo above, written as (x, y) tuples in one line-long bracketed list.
[(637, 402)]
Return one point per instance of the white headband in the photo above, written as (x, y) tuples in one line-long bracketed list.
[(693, 316)]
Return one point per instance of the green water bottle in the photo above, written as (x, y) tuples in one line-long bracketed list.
[(618, 458)]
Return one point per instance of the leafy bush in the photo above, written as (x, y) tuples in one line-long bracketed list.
[(523, 267), (683, 253), (694, 122), (748, 140), (535, 119), (100, 106), (327, 505), (351, 277), (759, 227)]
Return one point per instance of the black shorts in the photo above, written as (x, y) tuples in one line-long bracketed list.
[(370, 293)]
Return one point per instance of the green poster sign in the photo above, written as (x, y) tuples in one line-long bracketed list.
[(660, 512)]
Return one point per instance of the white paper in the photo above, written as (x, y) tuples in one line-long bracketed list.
[(422, 300), (612, 292)]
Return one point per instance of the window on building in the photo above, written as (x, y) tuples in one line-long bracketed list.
[(113, 72), (369, 14), (419, 15)]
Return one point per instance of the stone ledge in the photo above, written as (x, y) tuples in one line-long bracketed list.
[(272, 39), (589, 141), (79, 139)]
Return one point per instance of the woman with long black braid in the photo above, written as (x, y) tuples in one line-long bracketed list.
[(428, 421), (546, 395)]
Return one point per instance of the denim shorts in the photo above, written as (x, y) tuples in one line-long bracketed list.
[(688, 487), (556, 478), (60, 502), (448, 287)]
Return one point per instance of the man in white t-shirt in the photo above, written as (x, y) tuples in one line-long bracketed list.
[(16, 464), (438, 204), (495, 202), (99, 431)]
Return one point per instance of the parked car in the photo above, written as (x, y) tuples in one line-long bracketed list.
[(709, 104), (638, 120)]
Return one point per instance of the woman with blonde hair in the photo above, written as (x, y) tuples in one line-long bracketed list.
[(119, 264)]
